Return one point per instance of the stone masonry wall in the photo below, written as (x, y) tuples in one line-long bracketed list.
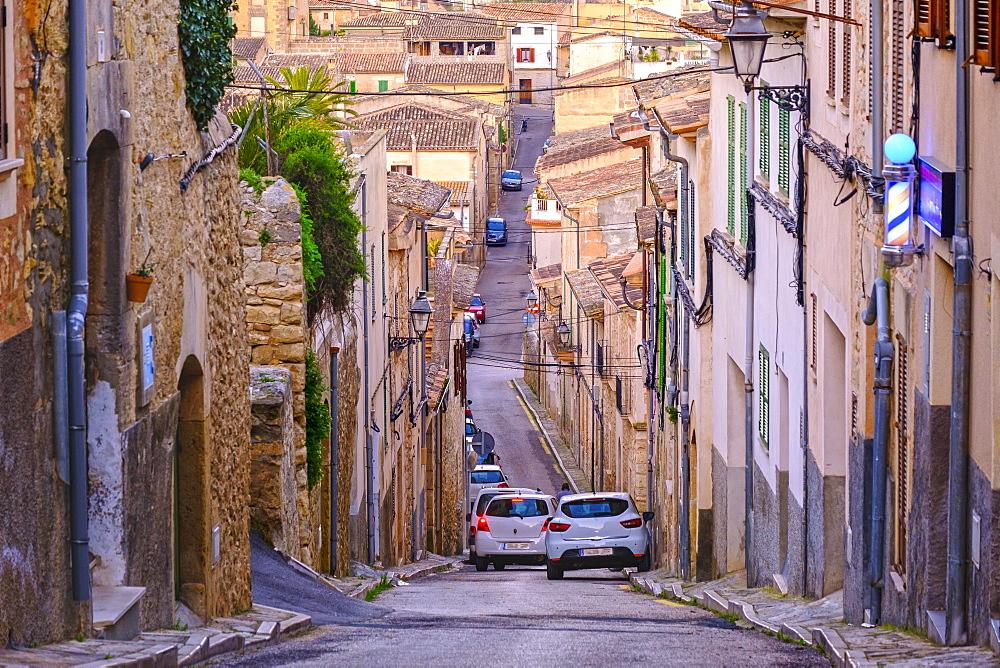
[(275, 322)]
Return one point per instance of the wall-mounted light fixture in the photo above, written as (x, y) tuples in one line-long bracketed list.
[(899, 174), (420, 320)]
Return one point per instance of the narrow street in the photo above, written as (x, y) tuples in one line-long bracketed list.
[(516, 616)]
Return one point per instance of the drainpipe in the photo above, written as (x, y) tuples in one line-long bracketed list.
[(878, 311), (370, 469), (878, 78), (334, 452), (686, 454), (956, 627), (79, 292), (60, 393), (748, 359)]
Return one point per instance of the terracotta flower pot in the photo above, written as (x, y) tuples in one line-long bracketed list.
[(137, 287)]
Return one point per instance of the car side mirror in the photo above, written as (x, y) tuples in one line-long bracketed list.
[(648, 516), (468, 517)]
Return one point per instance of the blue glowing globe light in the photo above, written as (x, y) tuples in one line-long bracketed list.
[(899, 148)]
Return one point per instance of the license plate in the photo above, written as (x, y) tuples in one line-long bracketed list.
[(516, 546), (597, 552)]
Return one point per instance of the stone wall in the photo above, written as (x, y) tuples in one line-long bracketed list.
[(277, 330)]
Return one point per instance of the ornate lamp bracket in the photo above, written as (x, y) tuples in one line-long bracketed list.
[(787, 98)]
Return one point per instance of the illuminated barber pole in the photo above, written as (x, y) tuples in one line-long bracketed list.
[(899, 175)]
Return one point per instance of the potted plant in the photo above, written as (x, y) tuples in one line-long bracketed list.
[(137, 284)]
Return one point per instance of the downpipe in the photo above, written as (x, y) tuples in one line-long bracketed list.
[(370, 470), (878, 312), (334, 452), (685, 518), (79, 294)]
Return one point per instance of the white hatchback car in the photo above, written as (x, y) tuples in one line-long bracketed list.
[(597, 530), (486, 495), (485, 475), (512, 530)]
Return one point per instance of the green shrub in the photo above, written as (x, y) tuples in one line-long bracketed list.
[(317, 419), (204, 33), (312, 260), (253, 180)]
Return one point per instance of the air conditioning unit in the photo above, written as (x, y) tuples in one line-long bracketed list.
[(292, 13)]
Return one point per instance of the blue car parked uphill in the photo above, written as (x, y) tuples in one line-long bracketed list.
[(496, 232), (511, 180)]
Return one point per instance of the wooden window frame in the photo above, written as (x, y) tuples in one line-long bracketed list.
[(932, 18), (986, 33)]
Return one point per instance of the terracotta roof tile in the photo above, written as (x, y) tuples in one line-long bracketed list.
[(546, 274), (418, 195), (462, 72), (594, 73), (569, 147), (704, 24), (378, 20), (432, 129), (627, 121), (608, 272), (248, 48), (464, 279), (371, 63), (682, 81), (460, 25), (429, 93), (243, 74), (684, 115), (645, 223), (588, 292), (603, 182), (298, 60), (523, 12), (460, 190), (437, 382), (664, 185)]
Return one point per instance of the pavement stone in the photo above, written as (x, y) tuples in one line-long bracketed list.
[(819, 623), (357, 586)]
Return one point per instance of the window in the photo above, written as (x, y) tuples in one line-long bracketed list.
[(402, 169), (831, 50), (586, 508), (682, 219), (731, 171), (451, 48), (897, 59), (352, 86), (847, 72), (764, 139), (385, 295), (371, 280), (482, 48), (986, 33), (525, 55), (784, 153), (539, 31), (932, 20), (763, 394), (383, 85), (326, 15), (518, 508), (693, 250), (485, 477), (516, 30), (744, 213)]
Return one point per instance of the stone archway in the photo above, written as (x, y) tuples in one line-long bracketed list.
[(192, 544)]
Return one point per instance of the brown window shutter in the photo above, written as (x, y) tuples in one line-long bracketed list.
[(925, 18), (831, 48), (983, 33), (847, 72), (531, 57), (896, 63)]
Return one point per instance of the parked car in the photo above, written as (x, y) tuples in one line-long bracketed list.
[(496, 232), (511, 180), (485, 476), (478, 507), (470, 430), (512, 530), (597, 531), (478, 307), (470, 331)]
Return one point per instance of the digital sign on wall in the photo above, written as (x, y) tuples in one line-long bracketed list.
[(936, 207)]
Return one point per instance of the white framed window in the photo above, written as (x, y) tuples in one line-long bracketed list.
[(526, 55), (539, 31), (516, 30)]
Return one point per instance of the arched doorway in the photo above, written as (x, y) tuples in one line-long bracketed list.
[(191, 523)]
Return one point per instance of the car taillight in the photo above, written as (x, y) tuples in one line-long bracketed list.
[(558, 526), (545, 524), (483, 525), (503, 484), (472, 531), (632, 524)]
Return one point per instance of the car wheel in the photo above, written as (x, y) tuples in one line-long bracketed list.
[(481, 563), (553, 572), (645, 564), (498, 565)]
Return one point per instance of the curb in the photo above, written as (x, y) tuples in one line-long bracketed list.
[(548, 439)]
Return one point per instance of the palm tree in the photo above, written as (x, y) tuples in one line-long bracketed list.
[(302, 95)]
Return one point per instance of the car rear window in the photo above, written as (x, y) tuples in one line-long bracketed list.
[(594, 507), (485, 477), (476, 301), (486, 498), (517, 508)]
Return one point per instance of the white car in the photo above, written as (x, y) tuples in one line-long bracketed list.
[(512, 530), (485, 475), (597, 530), (478, 507)]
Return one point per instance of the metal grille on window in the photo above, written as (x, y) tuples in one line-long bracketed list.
[(764, 142), (847, 72), (831, 50), (897, 38), (902, 454), (763, 398), (784, 142), (744, 223), (731, 173), (693, 252)]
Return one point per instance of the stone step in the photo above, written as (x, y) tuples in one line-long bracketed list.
[(116, 611)]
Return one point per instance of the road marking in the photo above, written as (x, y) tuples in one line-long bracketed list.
[(545, 447), (510, 384), (625, 587), (526, 411), (673, 604)]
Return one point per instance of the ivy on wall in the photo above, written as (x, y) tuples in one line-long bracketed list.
[(205, 32), (317, 419)]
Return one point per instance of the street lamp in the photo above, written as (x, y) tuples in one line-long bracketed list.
[(747, 42), (563, 331), (420, 320), (532, 299), (898, 250), (748, 39)]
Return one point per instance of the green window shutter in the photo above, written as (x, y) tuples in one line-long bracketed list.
[(731, 217), (764, 147), (385, 295), (763, 398), (784, 131), (743, 175), (353, 87), (383, 85), (694, 245), (682, 228)]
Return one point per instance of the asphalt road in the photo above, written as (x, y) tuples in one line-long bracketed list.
[(504, 285), (516, 617)]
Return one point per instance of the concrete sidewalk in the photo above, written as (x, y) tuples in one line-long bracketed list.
[(366, 578), (560, 450), (818, 623)]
